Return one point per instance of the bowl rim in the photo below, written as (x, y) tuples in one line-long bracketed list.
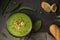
[(30, 25)]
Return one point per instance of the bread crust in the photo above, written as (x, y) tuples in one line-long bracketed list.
[(53, 7), (55, 31), (49, 8), (45, 6)]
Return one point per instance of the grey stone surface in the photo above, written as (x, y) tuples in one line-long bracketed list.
[(39, 36)]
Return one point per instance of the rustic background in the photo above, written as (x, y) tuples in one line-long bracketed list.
[(47, 18)]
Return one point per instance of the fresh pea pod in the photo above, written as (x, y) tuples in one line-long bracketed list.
[(58, 16), (14, 8), (6, 2), (37, 25), (26, 8), (58, 20)]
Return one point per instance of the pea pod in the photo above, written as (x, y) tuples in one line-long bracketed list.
[(5, 5), (14, 8), (58, 16), (26, 8), (58, 20), (37, 25)]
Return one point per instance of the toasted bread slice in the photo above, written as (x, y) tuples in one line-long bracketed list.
[(53, 7), (45, 6), (55, 31)]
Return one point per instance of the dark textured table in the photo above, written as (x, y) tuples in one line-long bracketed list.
[(43, 33)]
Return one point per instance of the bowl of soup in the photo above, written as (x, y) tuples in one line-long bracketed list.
[(19, 24)]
